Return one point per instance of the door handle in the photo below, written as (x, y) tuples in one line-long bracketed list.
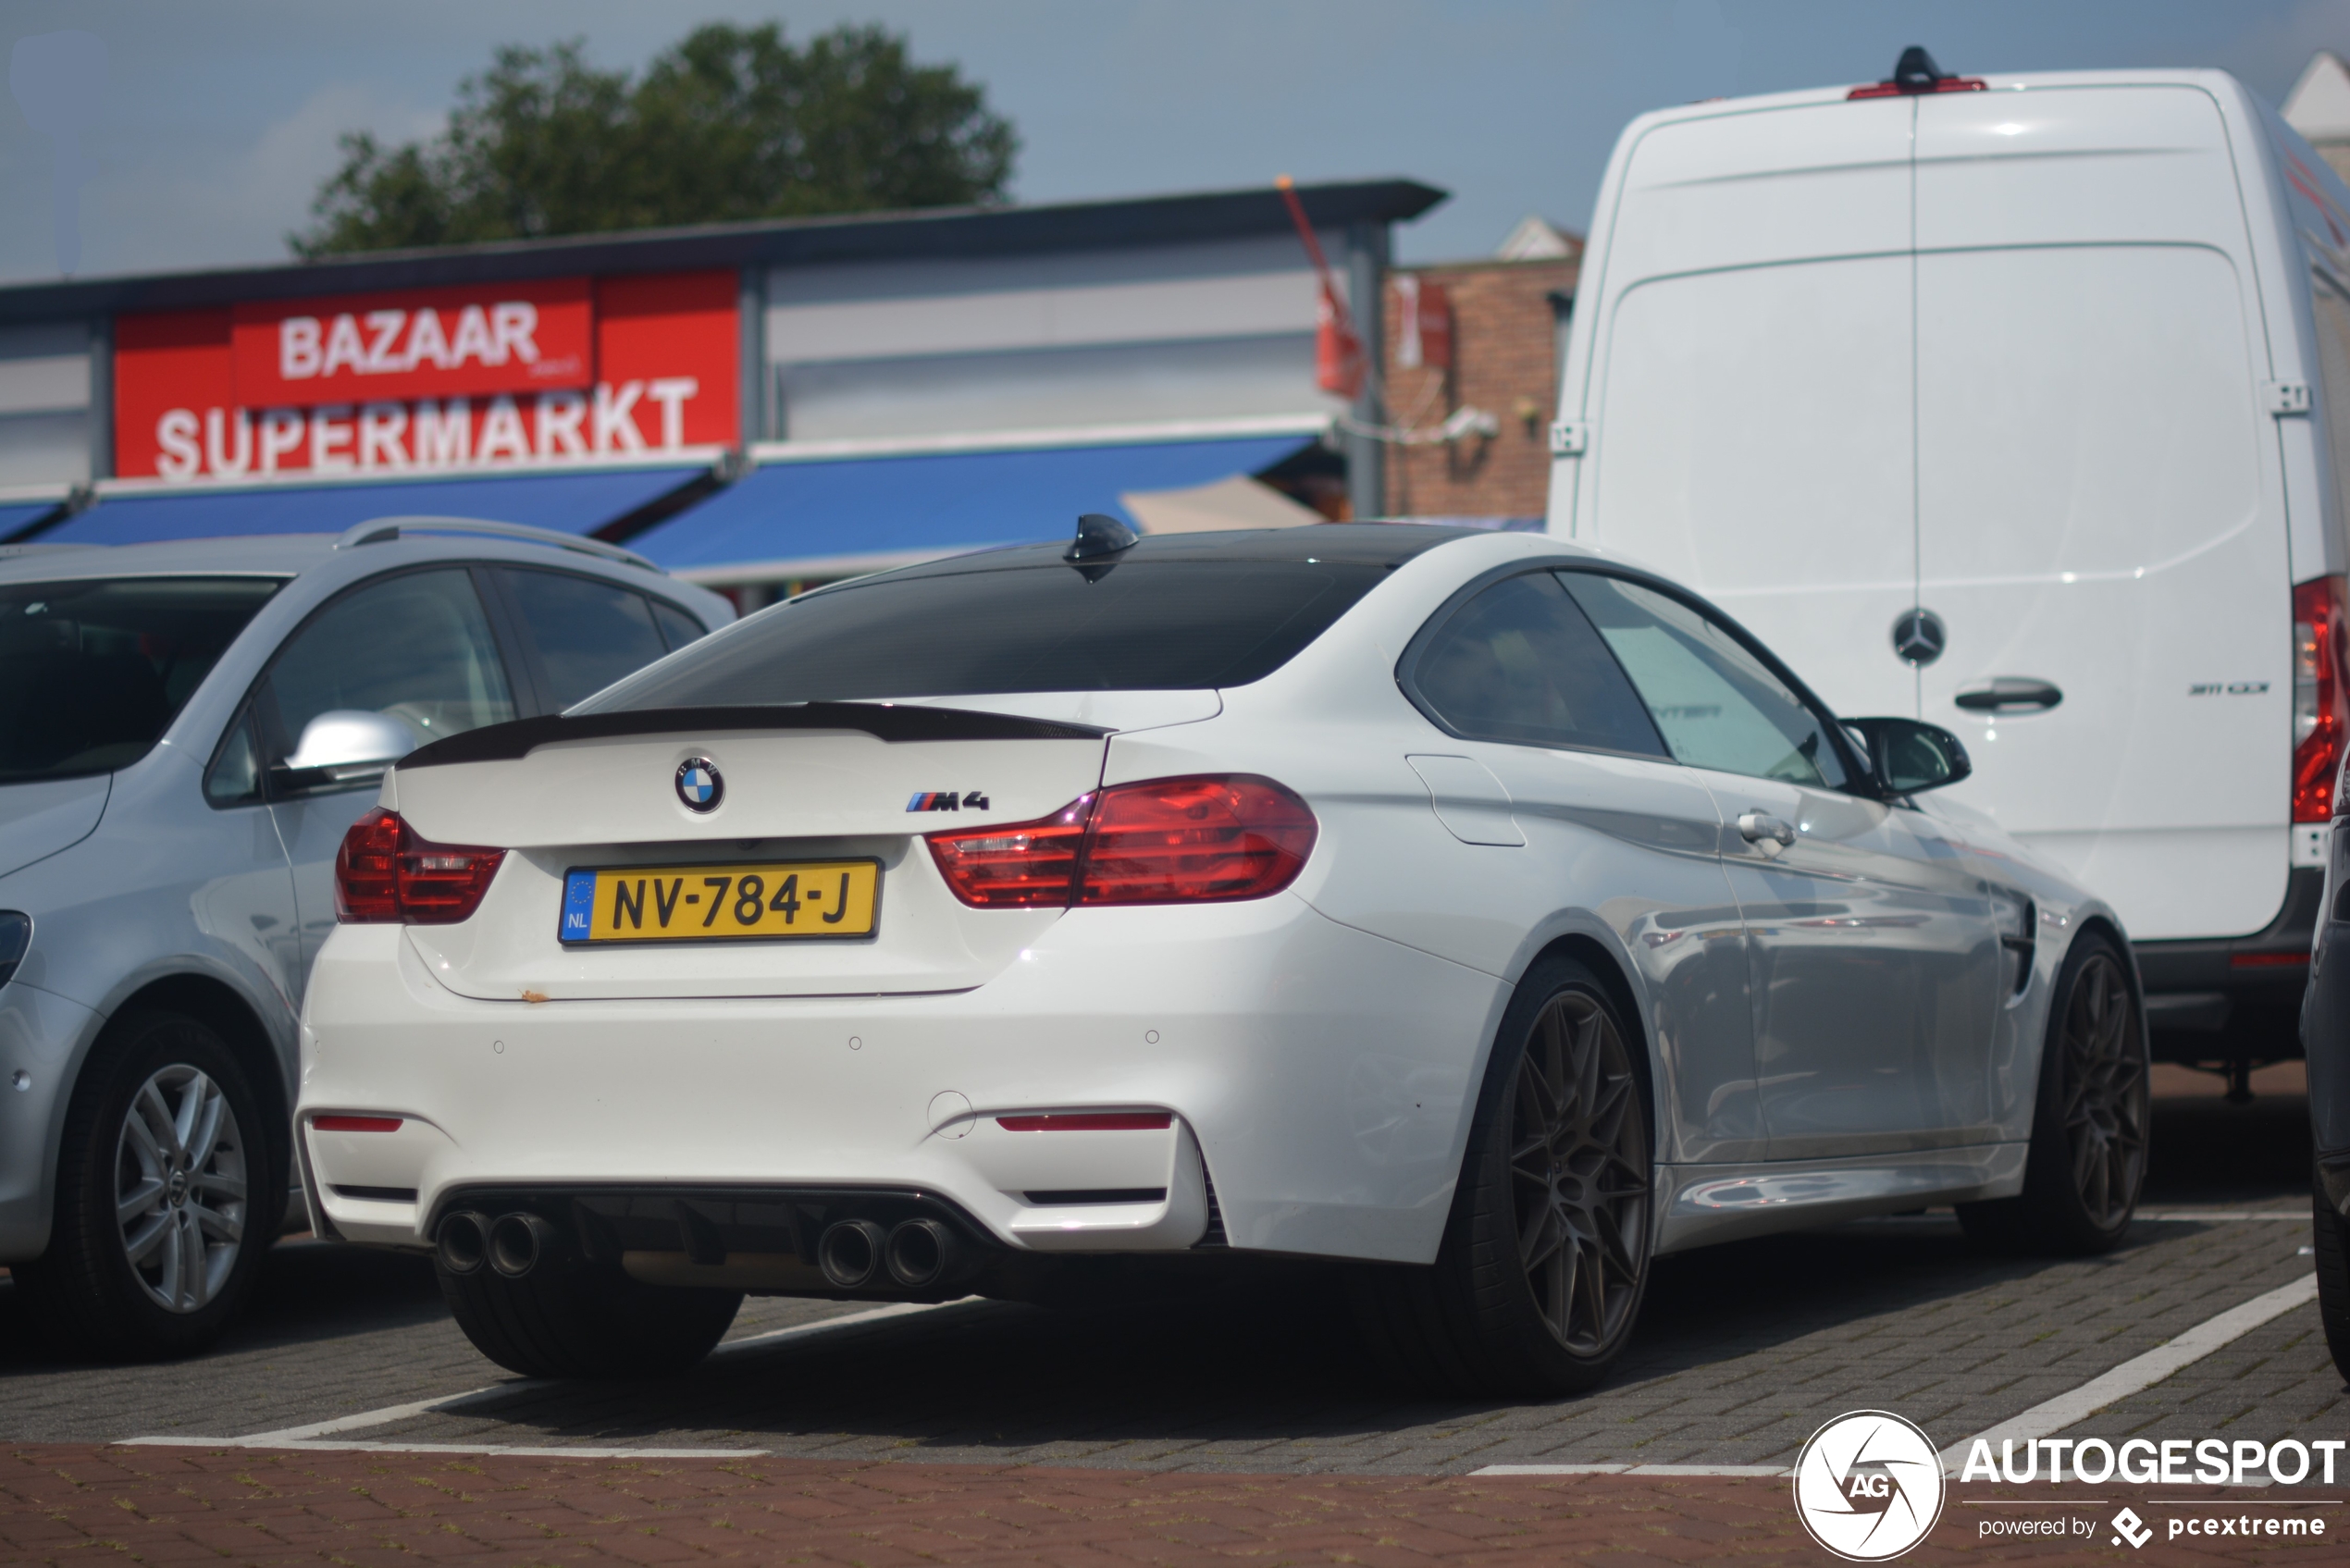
[(1760, 828), (2010, 693)]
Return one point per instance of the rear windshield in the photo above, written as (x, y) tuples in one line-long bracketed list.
[(1140, 625), (91, 673)]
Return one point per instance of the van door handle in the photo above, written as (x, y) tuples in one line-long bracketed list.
[(1757, 827), (2010, 693)]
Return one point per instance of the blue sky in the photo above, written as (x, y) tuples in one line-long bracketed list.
[(220, 119)]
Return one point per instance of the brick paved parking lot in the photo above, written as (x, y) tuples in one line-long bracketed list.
[(1236, 1422)]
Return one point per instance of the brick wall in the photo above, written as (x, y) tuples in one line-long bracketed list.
[(1506, 362), (2337, 153)]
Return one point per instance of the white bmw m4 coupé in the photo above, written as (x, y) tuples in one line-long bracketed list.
[(1479, 913)]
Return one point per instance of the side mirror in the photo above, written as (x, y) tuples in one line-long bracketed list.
[(344, 747), (1906, 757)]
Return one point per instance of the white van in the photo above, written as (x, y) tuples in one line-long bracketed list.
[(2020, 405)]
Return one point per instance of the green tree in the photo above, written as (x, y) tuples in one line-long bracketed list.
[(729, 124)]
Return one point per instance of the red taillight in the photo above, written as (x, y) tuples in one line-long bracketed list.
[(1167, 841), (357, 1124), (1090, 1121), (2320, 695), (385, 873), (1023, 865), (1183, 841)]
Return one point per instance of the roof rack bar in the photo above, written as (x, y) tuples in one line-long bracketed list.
[(381, 530)]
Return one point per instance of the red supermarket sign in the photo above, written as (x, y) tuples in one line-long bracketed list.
[(419, 343), (426, 379)]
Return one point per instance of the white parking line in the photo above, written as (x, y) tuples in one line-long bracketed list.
[(309, 1437), (369, 1418), (513, 1450), (2139, 1372), (2298, 1217)]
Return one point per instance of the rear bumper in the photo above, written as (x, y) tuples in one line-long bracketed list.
[(2211, 1001), (1319, 1077)]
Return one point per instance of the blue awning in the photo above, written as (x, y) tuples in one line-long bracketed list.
[(576, 502), (17, 514), (790, 519)]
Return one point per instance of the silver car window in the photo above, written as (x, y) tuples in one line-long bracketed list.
[(587, 634), (91, 672), (416, 646)]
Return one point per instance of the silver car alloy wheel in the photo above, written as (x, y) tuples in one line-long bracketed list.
[(179, 1187)]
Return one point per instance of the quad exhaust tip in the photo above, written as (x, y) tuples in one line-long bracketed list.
[(463, 1243), (851, 1252), (920, 1251), (856, 1254), (517, 1242)]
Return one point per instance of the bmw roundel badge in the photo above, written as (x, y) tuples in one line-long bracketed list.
[(698, 784)]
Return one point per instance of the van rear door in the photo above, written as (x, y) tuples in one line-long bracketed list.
[(2100, 522), (1751, 379)]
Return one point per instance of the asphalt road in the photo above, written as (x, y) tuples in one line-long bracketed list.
[(1743, 1352)]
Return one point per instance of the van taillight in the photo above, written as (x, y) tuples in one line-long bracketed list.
[(1206, 839), (2320, 695), (385, 873)]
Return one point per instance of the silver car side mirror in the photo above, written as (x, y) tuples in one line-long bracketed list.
[(346, 746)]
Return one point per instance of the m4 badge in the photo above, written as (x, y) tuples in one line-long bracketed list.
[(946, 800)]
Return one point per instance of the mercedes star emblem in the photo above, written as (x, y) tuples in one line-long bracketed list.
[(1918, 638)]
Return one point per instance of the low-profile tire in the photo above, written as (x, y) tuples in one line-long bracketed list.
[(2087, 1158), (2331, 1247), (168, 1194), (578, 1319), (1545, 1257)]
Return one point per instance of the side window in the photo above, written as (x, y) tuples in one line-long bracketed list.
[(678, 627), (587, 634), (415, 646), (1718, 706), (1520, 663), (234, 778)]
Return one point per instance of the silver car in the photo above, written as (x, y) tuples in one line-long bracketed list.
[(187, 731)]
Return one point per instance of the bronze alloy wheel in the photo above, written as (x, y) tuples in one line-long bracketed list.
[(1579, 1175), (2102, 1078)]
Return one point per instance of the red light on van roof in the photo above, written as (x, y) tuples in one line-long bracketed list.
[(1915, 74), (1895, 89)]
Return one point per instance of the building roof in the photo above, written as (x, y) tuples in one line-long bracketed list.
[(932, 232), (2319, 105), (1536, 237)]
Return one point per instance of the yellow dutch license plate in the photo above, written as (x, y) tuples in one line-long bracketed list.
[(757, 901)]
